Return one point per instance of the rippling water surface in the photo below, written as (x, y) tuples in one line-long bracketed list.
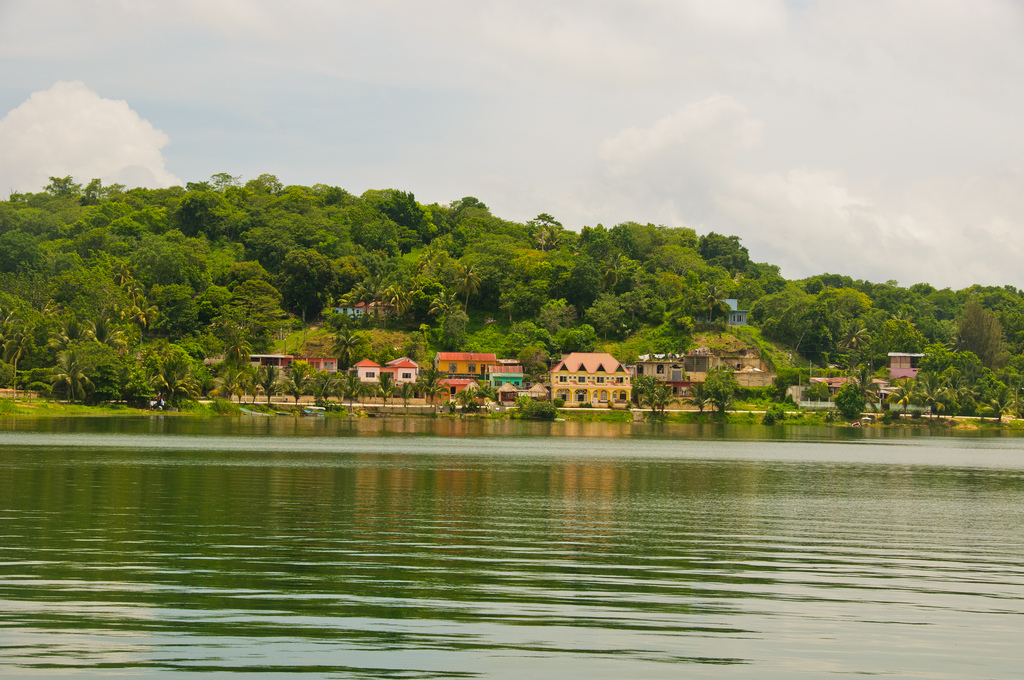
[(407, 549)]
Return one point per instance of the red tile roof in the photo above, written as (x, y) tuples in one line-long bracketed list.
[(402, 364), (368, 363), (591, 362), (465, 356)]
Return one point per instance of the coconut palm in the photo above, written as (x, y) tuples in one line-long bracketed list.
[(467, 397), (269, 380), (487, 393), (69, 374), (298, 380), (660, 397), (386, 386), (15, 344), (230, 382), (237, 350), (175, 377), (351, 388), (443, 304), (933, 392), (345, 345), (70, 330), (698, 397), (713, 300), (406, 391), (1004, 402), (323, 385), (106, 333), (905, 393), (468, 281)]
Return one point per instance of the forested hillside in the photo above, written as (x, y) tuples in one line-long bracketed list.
[(129, 283)]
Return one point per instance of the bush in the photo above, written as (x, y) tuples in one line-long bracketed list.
[(775, 415), (585, 404), (225, 407), (559, 403), (850, 401), (538, 410)]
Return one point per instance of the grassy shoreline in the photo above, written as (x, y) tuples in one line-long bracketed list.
[(222, 408)]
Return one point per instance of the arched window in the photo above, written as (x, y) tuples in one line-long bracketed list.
[(581, 396)]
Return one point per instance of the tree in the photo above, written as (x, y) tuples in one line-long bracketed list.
[(1003, 403), (346, 344), (69, 374), (231, 381), (721, 386), (905, 393), (468, 281), (15, 344), (307, 277), (297, 382), (269, 381), (606, 314), (352, 388), (660, 397), (698, 397), (979, 331), (386, 386), (453, 330), (933, 392), (175, 377), (850, 401), (178, 314), (406, 391), (724, 251)]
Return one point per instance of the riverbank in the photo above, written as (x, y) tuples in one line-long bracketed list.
[(225, 409)]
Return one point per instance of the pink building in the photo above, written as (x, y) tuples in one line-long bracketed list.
[(403, 369), (903, 365), (329, 364)]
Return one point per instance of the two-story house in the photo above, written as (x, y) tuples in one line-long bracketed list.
[(596, 378), (469, 365)]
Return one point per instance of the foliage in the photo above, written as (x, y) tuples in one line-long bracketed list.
[(850, 401)]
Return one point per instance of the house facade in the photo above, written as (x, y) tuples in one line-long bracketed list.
[(403, 370), (904, 364), (283, 361), (361, 309), (506, 373), (468, 365), (735, 316), (595, 378)]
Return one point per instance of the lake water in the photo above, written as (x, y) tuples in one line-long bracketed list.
[(419, 548)]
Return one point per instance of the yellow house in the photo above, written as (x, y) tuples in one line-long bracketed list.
[(591, 378), (465, 364)]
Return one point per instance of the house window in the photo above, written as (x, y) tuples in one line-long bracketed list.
[(581, 396), (639, 370), (661, 369), (563, 379), (452, 368), (371, 374), (407, 376), (600, 380), (472, 368), (618, 380)]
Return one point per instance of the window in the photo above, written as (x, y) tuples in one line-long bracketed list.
[(452, 368), (407, 376), (472, 368), (371, 374), (600, 380), (563, 379), (581, 396), (639, 370), (661, 369), (618, 381)]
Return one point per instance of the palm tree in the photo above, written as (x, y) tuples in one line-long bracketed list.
[(468, 281), (70, 330), (612, 270), (487, 393), (174, 376), (443, 304), (1003, 402), (698, 396), (933, 392), (660, 397), (386, 386), (105, 333), (466, 397), (15, 344), (251, 381), (297, 382), (904, 394), (351, 388), (231, 381), (713, 296), (68, 373), (345, 345), (237, 350), (323, 385), (406, 391), (269, 381)]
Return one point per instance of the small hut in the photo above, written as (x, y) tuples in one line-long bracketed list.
[(508, 393), (537, 392)]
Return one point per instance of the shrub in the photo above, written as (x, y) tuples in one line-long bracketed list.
[(538, 410), (585, 404), (559, 403), (850, 401), (225, 407), (775, 415)]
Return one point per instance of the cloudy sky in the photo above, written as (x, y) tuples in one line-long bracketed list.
[(880, 139)]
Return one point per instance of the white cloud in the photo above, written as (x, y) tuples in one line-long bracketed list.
[(71, 130)]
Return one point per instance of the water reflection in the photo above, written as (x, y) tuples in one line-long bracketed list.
[(425, 557)]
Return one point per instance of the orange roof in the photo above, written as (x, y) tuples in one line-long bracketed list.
[(465, 356), (368, 363), (405, 363), (591, 362), (458, 381)]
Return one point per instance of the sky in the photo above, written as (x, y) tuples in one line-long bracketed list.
[(878, 139)]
